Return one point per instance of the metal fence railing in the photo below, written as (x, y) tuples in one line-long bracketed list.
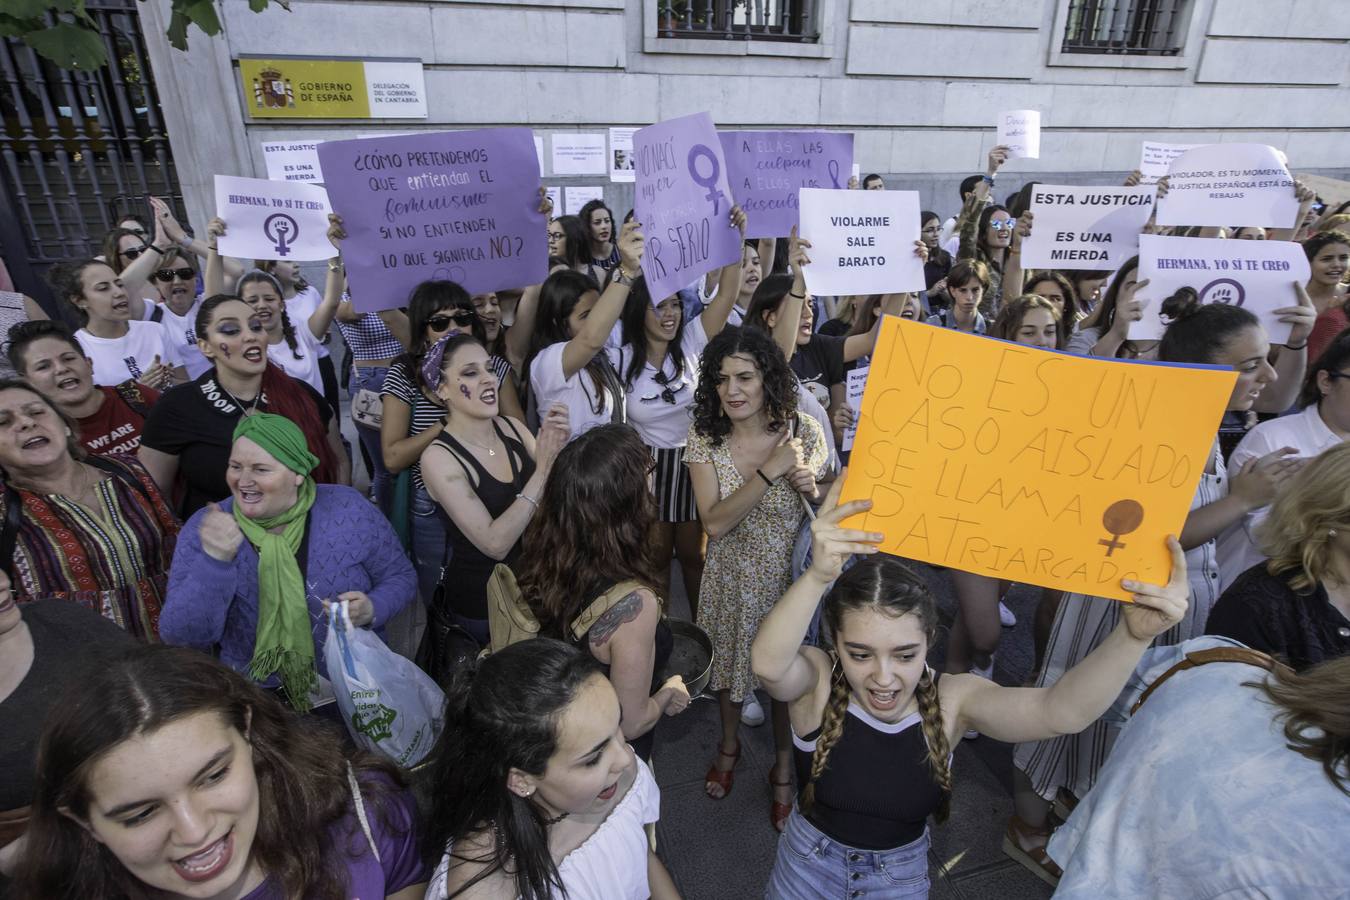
[(1127, 27), (755, 20)]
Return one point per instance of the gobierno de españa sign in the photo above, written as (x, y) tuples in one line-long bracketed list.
[(311, 88)]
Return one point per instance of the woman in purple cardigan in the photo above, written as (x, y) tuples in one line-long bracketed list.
[(251, 576)]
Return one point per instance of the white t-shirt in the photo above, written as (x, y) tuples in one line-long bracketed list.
[(1306, 432), (305, 369), (127, 357), (303, 305), (579, 392), (182, 332), (660, 424)]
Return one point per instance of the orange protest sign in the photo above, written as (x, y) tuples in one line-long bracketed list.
[(1020, 463)]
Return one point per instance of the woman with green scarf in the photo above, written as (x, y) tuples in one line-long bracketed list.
[(251, 575)]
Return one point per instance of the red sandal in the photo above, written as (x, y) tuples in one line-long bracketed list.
[(716, 776), (778, 812), (1036, 859)]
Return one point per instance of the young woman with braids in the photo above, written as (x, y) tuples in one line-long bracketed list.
[(535, 793), (873, 724)]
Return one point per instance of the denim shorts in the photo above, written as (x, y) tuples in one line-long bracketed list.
[(812, 866)]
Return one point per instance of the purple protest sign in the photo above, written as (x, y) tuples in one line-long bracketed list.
[(683, 202), (767, 168), (458, 206)]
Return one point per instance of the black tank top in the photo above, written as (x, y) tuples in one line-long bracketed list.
[(877, 790), (467, 575)]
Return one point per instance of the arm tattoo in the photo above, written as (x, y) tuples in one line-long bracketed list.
[(626, 610)]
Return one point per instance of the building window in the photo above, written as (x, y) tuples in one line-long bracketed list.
[(1128, 27), (746, 20)]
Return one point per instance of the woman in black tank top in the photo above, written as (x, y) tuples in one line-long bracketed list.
[(872, 726), (590, 535), (485, 471)]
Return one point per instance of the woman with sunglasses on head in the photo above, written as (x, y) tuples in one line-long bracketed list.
[(190, 431), (297, 350), (413, 414), (121, 344), (658, 365)]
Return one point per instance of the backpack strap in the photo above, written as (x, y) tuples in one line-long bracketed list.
[(1243, 655), (359, 807), (130, 392), (601, 605)]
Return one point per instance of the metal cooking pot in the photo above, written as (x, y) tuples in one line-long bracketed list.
[(690, 658)]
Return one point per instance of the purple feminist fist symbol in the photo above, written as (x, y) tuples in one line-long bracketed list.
[(696, 151), (283, 229)]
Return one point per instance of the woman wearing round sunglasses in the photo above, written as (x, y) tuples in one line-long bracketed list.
[(176, 282), (987, 238)]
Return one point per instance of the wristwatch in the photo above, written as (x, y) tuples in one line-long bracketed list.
[(335, 265), (622, 277), (987, 179)]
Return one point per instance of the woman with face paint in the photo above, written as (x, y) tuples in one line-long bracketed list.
[(873, 725), (189, 432), (536, 794), (167, 775), (486, 473)]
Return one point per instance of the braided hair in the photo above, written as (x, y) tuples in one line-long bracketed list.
[(287, 329), (885, 584)]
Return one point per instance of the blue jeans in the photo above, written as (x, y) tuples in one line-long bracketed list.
[(428, 540), (812, 866), (372, 378)]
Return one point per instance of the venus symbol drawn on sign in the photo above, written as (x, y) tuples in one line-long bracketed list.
[(1121, 517), (710, 182), (833, 168), (282, 229)]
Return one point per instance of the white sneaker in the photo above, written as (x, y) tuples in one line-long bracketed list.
[(751, 712), (987, 674), (1006, 617)]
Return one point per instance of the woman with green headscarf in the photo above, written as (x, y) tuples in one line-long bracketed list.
[(252, 574)]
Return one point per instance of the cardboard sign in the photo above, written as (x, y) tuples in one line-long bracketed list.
[(309, 88), (578, 154), (293, 161), (862, 242), (459, 206), (684, 202), (273, 219), (1256, 275), (1020, 131), (854, 383), (768, 168), (1229, 184), (621, 154), (1154, 159), (1085, 227), (1040, 467)]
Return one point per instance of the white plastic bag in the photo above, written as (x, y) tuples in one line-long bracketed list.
[(387, 703)]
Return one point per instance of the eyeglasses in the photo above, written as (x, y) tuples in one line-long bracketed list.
[(1007, 225), (167, 275), (556, 235), (442, 321), (135, 251)]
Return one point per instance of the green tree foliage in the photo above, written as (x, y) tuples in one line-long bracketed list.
[(65, 33)]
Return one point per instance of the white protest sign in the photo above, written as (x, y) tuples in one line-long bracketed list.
[(555, 195), (621, 154), (1259, 276), (579, 154), (853, 393), (862, 242), (857, 172), (1155, 158), (578, 196), (273, 219), (1229, 184), (292, 161), (1085, 227), (539, 152), (1020, 131)]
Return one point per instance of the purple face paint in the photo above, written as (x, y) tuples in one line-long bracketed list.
[(225, 349), (465, 391)]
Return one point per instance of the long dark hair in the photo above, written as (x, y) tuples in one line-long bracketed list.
[(111, 241), (502, 714), (885, 584), (585, 217), (425, 301), (1103, 315), (634, 322), (1198, 332), (1333, 359), (780, 385), (592, 527), (1061, 281), (578, 242), (258, 276), (982, 233), (558, 296), (302, 782), (768, 298)]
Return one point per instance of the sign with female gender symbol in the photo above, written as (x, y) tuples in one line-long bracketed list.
[(273, 219), (768, 168), (683, 201)]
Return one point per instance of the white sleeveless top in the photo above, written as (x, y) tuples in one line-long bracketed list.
[(611, 864)]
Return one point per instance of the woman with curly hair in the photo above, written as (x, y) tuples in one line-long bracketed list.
[(590, 535), (165, 774), (873, 725), (753, 457)]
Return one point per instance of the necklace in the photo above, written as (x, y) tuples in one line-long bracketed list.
[(554, 820), (251, 408), (490, 451)]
